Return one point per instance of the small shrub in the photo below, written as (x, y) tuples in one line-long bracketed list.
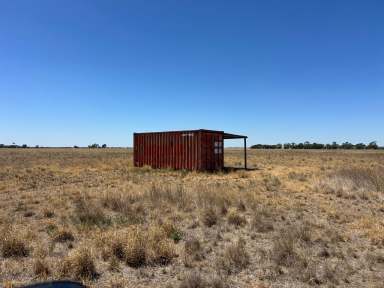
[(117, 248), (63, 236), (241, 206), (262, 219), (262, 225), (217, 282), (193, 280), (119, 202), (80, 265), (272, 183), (88, 214), (289, 248), (160, 248), (329, 271), (29, 214), (51, 228), (114, 265), (223, 208), (136, 249), (235, 257), (304, 232), (163, 253), (20, 207), (140, 246), (209, 217), (13, 247), (192, 248), (172, 231), (40, 252), (234, 218), (150, 247), (41, 268), (48, 214), (297, 176), (176, 236), (284, 250)]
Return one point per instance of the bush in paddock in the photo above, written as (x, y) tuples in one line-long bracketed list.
[(80, 265), (235, 257), (12, 245)]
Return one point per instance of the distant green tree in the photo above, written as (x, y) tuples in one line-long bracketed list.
[(372, 145), (334, 145), (288, 146), (24, 146), (360, 146), (95, 145), (307, 145), (347, 145), (300, 146), (318, 146), (104, 146)]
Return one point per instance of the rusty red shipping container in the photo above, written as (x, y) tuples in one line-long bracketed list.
[(189, 149)]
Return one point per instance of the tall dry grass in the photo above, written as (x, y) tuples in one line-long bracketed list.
[(301, 219)]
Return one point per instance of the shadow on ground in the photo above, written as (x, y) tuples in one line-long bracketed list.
[(235, 169), (55, 284)]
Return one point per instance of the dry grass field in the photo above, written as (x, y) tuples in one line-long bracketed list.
[(299, 219)]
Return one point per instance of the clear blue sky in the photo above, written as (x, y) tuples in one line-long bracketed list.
[(75, 72)]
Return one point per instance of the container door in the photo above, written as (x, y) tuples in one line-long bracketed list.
[(218, 152)]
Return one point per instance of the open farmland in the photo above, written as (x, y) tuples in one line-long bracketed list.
[(298, 219)]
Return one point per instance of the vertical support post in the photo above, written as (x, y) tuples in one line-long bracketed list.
[(245, 153)]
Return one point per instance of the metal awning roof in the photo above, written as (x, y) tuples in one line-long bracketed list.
[(234, 136)]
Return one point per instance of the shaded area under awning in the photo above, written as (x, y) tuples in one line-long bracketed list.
[(235, 136)]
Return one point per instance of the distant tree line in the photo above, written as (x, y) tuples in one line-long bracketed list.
[(307, 145), (13, 145)]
